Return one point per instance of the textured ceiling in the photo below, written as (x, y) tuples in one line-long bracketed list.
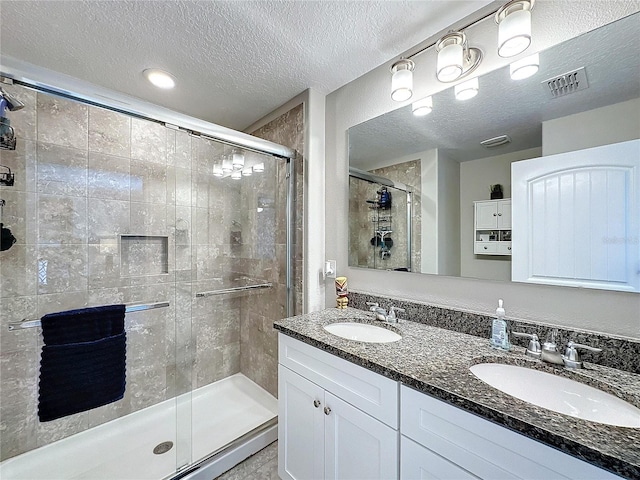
[(610, 55), (235, 61)]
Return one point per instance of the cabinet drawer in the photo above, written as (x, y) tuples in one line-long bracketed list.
[(370, 392), (482, 447), (419, 462), (485, 248), (504, 248)]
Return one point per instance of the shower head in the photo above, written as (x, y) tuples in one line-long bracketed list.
[(12, 103)]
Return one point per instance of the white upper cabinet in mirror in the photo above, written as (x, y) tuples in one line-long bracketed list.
[(440, 158)]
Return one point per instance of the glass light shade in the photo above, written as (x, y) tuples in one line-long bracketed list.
[(159, 78), (217, 169), (514, 33), (402, 85), (525, 67), (467, 90), (449, 63), (258, 168), (227, 166), (246, 172), (422, 107), (236, 174), (237, 159)]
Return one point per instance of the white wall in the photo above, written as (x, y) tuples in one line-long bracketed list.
[(448, 216), (368, 97), (601, 126), (429, 211), (475, 178)]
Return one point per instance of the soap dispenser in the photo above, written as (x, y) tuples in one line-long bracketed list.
[(499, 330)]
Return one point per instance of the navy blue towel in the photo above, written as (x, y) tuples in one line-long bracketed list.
[(83, 361)]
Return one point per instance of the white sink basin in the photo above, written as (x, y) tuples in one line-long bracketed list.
[(559, 394), (362, 332)]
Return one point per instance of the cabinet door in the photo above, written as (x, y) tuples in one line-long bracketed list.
[(486, 215), (300, 427), (357, 446), (504, 215), (419, 463)]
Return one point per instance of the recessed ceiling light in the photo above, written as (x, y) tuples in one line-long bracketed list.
[(159, 78)]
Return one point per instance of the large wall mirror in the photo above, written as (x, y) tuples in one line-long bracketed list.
[(436, 167)]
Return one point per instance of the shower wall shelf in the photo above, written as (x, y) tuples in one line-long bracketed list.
[(129, 309), (233, 290)]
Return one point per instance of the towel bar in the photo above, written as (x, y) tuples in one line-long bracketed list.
[(233, 290), (129, 309)]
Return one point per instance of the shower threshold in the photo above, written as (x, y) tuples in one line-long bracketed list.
[(210, 420)]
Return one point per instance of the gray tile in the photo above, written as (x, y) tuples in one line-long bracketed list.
[(106, 220), (61, 170), (108, 177), (148, 141), (62, 122), (109, 132), (62, 268), (62, 219), (148, 182)]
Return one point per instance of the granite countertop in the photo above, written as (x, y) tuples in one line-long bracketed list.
[(436, 361)]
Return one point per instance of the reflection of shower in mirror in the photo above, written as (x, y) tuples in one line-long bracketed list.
[(7, 134), (6, 237)]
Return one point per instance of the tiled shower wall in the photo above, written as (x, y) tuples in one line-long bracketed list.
[(84, 178), (259, 340), (361, 228)]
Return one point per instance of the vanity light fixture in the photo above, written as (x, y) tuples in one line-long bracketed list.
[(227, 166), (525, 67), (236, 174), (402, 80), (455, 58), (258, 168), (159, 78), (467, 90), (217, 169), (237, 159), (422, 107), (246, 172), (514, 27)]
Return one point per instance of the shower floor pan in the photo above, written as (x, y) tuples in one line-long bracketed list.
[(123, 448)]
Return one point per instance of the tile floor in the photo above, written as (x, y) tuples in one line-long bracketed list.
[(261, 466)]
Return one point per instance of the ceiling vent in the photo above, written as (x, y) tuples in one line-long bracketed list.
[(566, 83), (496, 141)]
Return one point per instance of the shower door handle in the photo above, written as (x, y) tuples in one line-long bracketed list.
[(327, 410), (316, 403)]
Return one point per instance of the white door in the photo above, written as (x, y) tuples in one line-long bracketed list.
[(300, 427), (486, 215), (576, 218), (420, 463), (357, 446)]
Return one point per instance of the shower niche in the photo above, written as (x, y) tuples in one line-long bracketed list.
[(142, 255)]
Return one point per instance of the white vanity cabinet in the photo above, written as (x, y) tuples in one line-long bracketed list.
[(336, 420), (492, 227), (445, 442)]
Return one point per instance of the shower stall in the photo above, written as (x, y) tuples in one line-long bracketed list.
[(195, 235)]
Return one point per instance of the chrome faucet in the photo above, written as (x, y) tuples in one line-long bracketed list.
[(382, 315), (533, 350), (571, 356), (391, 318), (549, 352)]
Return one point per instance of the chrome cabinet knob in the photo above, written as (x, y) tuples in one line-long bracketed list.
[(327, 410), (316, 403)]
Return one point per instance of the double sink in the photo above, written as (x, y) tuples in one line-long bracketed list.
[(542, 389)]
